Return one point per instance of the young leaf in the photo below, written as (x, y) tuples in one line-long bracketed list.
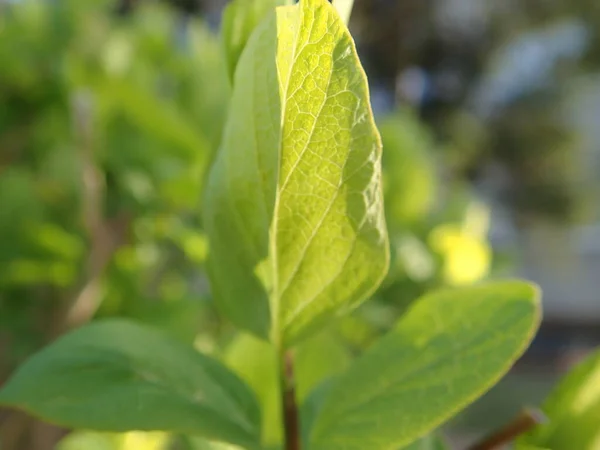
[(446, 351), (294, 208), (240, 18), (573, 410), (117, 376)]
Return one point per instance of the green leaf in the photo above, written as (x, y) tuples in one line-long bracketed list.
[(409, 171), (294, 210), (194, 443), (240, 18), (133, 440), (117, 376), (429, 442), (160, 119), (255, 361), (573, 410), (318, 358), (448, 349)]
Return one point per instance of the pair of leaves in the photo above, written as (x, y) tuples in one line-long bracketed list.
[(446, 351), (297, 235), (294, 208)]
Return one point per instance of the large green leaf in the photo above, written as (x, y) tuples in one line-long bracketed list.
[(118, 376), (573, 410), (240, 18), (294, 208), (446, 351)]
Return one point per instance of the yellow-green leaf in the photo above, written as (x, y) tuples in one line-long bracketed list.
[(240, 18), (450, 348), (294, 210)]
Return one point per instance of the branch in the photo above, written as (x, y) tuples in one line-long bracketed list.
[(291, 422), (523, 423), (105, 236)]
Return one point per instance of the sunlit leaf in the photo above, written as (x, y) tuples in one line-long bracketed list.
[(447, 350), (240, 18), (294, 211)]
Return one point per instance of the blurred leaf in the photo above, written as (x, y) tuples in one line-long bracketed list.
[(57, 241), (118, 376), (195, 246), (294, 218), (157, 118), (194, 443), (240, 18), (408, 169), (134, 440), (255, 361), (430, 442), (449, 349), (466, 258), (573, 409), (30, 271), (316, 359)]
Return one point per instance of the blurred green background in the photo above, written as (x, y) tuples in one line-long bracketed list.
[(111, 112)]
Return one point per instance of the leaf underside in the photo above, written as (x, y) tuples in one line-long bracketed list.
[(294, 206)]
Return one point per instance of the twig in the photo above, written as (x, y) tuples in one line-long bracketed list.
[(523, 423), (291, 422), (105, 236)]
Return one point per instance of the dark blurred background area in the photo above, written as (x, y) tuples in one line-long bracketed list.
[(111, 111)]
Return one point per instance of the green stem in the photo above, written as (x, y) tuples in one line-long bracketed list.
[(344, 8), (291, 420)]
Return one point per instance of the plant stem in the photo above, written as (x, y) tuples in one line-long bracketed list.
[(291, 421), (524, 422)]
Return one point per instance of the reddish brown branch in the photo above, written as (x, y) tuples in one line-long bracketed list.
[(523, 423), (291, 420)]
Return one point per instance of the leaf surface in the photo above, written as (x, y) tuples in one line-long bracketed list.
[(450, 348), (117, 376), (294, 208), (429, 442)]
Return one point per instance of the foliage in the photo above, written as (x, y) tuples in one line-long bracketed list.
[(113, 217)]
